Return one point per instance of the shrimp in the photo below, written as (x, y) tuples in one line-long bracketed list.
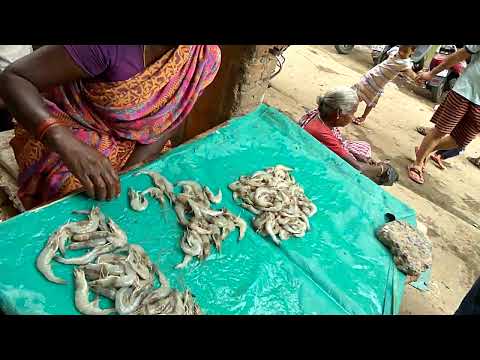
[(82, 303), (87, 226), (87, 244), (216, 199), (45, 257), (90, 236), (88, 257), (186, 259), (138, 202)]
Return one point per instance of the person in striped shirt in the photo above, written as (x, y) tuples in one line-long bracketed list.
[(457, 120), (371, 85)]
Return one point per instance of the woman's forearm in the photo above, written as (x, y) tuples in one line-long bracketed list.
[(373, 172), (22, 81), (145, 153), (24, 100), (451, 60)]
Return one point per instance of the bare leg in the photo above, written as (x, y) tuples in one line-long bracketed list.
[(366, 112), (362, 118), (429, 144), (446, 143)]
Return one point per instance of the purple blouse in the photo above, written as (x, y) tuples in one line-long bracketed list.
[(108, 62)]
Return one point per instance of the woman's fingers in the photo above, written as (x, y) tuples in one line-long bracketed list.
[(100, 187), (111, 185), (88, 186), (111, 180)]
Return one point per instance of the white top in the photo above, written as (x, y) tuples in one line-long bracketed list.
[(380, 75), (10, 53), (468, 84), (393, 51)]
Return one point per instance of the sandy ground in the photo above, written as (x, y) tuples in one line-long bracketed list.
[(449, 201)]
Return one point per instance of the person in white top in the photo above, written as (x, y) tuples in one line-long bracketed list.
[(371, 85), (9, 54)]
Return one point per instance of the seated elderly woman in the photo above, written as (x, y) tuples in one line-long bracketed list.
[(85, 112), (336, 109)]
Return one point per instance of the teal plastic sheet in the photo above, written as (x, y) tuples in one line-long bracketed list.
[(339, 267)]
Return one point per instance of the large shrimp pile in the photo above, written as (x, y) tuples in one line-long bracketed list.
[(279, 203), (113, 269), (203, 225)]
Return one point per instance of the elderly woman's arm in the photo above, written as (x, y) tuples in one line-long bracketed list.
[(20, 87), (373, 172)]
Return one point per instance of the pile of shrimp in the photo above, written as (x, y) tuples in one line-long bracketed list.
[(279, 203), (203, 225), (112, 269)]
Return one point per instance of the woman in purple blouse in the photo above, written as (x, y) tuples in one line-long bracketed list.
[(84, 112)]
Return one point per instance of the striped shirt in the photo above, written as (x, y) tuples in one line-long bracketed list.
[(371, 85)]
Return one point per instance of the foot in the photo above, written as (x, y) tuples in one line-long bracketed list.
[(437, 161), (424, 164), (415, 173), (475, 161), (359, 120)]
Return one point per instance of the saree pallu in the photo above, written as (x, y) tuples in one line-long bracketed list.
[(112, 117)]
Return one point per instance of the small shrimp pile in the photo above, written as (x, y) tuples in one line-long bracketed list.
[(203, 225), (113, 269), (279, 203), (163, 187)]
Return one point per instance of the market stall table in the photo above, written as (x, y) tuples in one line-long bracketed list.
[(339, 267)]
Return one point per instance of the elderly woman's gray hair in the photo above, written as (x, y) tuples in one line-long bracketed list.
[(343, 99)]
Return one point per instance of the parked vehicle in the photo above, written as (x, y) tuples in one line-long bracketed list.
[(344, 49), (444, 81), (381, 52)]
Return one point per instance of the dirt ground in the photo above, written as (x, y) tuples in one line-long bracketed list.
[(449, 201)]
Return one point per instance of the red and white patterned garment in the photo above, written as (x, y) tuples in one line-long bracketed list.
[(359, 148)]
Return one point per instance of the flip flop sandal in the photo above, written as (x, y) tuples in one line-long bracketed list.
[(415, 174), (421, 130), (474, 161), (358, 122), (437, 161)]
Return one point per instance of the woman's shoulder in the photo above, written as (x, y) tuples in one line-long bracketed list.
[(108, 62)]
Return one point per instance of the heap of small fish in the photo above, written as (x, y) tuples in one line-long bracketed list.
[(279, 203), (113, 269), (203, 225)]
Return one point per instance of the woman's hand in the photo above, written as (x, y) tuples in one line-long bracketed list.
[(362, 158), (373, 172), (424, 76), (94, 170)]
